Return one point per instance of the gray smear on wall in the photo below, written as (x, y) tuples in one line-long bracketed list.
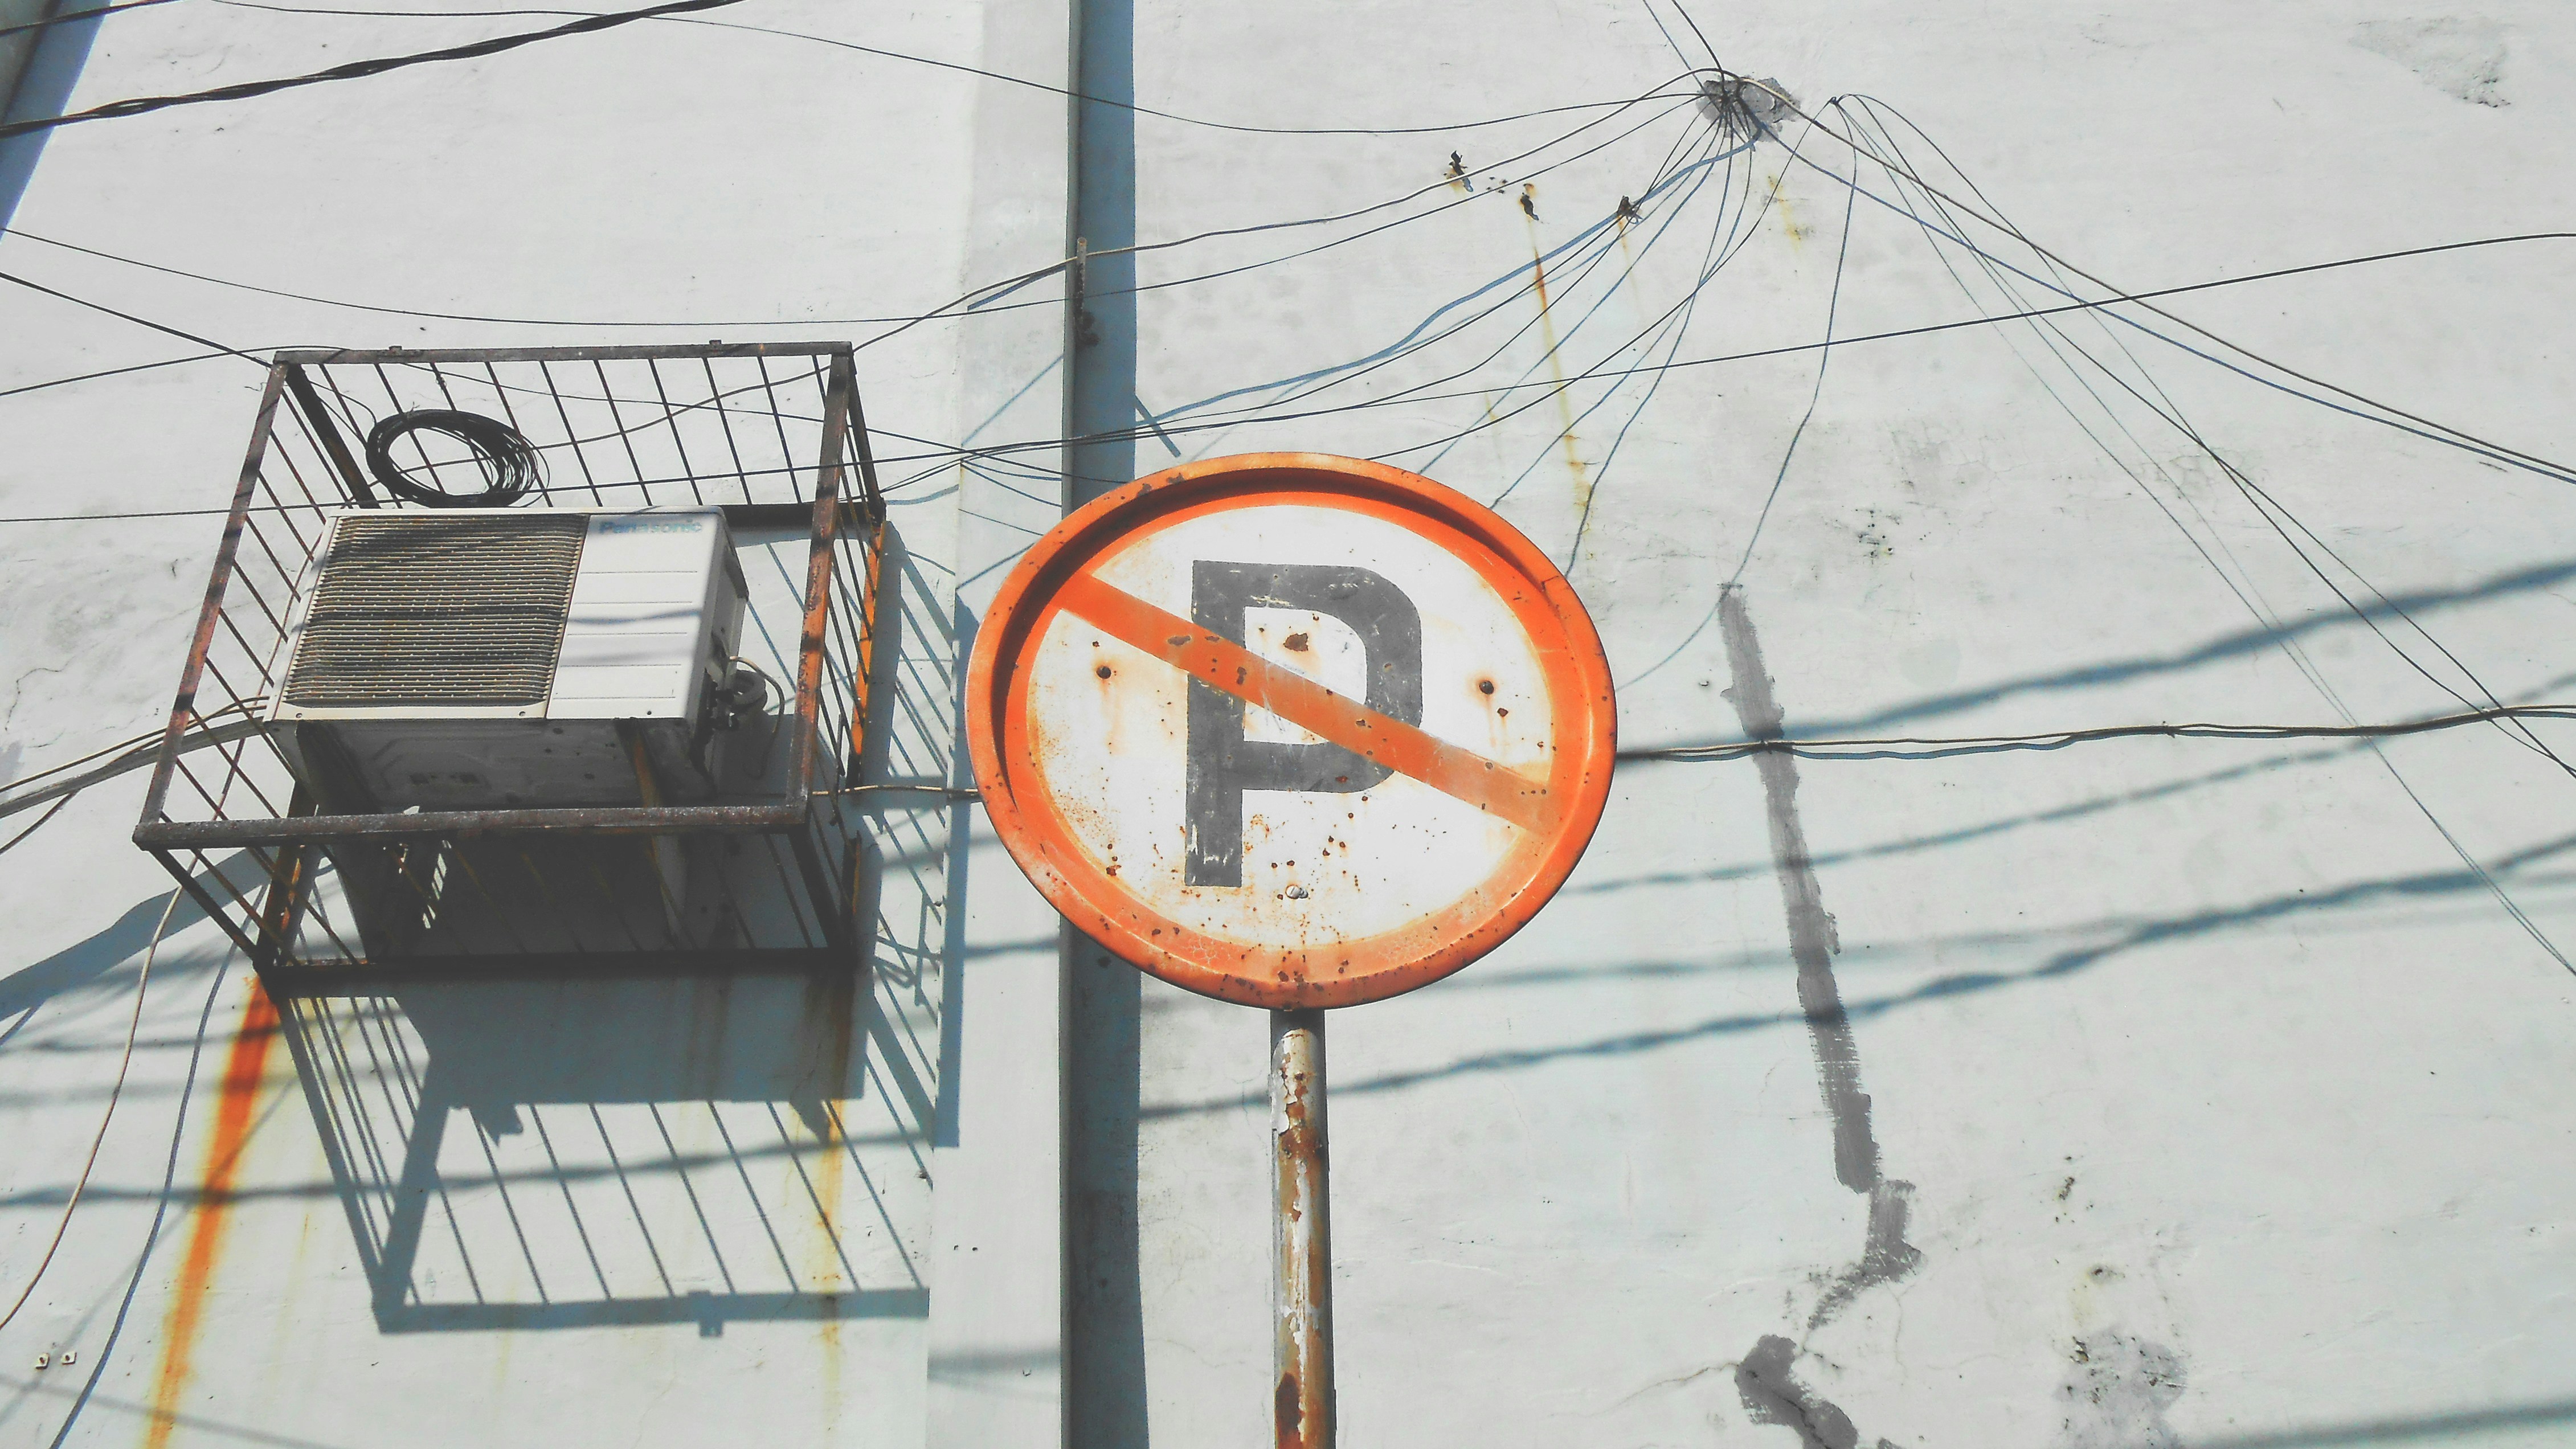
[(1763, 1379), (2457, 56), (1772, 1395), (1811, 931)]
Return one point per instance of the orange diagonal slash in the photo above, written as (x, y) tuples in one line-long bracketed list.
[(1228, 666)]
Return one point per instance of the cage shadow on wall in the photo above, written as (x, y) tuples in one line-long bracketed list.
[(586, 1153), (722, 843)]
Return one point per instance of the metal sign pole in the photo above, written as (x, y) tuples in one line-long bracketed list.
[(1301, 1233)]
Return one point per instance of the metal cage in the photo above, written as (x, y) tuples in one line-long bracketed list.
[(330, 895)]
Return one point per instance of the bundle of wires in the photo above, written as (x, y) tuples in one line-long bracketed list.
[(507, 459)]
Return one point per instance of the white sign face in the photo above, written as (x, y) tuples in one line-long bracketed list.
[(1287, 744), (1232, 821)]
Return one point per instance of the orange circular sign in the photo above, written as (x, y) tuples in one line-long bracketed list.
[(1291, 730)]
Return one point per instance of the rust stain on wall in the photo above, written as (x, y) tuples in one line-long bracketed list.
[(1788, 219), (834, 1004), (1556, 369), (237, 1098)]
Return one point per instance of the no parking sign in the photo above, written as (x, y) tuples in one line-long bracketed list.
[(1294, 731), (1291, 730)]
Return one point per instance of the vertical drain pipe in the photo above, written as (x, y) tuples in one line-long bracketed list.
[(1301, 1233)]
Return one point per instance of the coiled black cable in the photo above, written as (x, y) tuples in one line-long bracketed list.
[(505, 456)]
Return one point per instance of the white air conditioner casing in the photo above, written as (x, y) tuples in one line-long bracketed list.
[(493, 659)]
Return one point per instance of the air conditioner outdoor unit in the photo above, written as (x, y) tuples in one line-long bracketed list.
[(492, 659)]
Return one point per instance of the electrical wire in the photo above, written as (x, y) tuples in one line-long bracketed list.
[(1591, 248), (352, 70), (2265, 505), (1793, 349), (179, 333), (1030, 445), (2440, 432), (68, 17), (117, 372), (1411, 395), (41, 820), (1942, 747), (148, 737), (962, 68), (982, 299), (2212, 336), (1672, 323), (27, 792), (2269, 508), (1824, 359), (509, 465), (133, 1025), (992, 293), (2567, 474), (1003, 286), (2171, 413), (100, 1358)]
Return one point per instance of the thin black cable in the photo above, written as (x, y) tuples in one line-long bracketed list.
[(180, 333), (161, 1206), (353, 70), (959, 67), (508, 464), (1556, 386), (1684, 12), (965, 303), (51, 811), (68, 17), (1940, 747), (1824, 359), (1602, 240), (2212, 336), (1679, 331), (116, 372), (1674, 323), (993, 292), (1604, 233), (2264, 504), (1408, 396), (1038, 444), (2245, 485), (2079, 305), (2457, 437), (2049, 336)]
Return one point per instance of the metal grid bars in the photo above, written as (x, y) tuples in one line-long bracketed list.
[(760, 877)]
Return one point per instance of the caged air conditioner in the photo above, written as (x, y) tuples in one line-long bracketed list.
[(490, 659)]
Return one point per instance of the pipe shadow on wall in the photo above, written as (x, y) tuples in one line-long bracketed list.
[(1104, 1311)]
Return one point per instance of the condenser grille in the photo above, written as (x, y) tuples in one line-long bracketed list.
[(438, 611)]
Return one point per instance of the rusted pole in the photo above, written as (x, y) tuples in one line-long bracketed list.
[(1302, 1233)]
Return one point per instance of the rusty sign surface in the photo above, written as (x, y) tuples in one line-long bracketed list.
[(1290, 729)]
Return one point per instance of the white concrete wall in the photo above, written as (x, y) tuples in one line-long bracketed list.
[(2220, 1102), (2193, 1092), (580, 1278)]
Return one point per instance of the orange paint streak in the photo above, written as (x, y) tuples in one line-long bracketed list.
[(1247, 676), (237, 1097)]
